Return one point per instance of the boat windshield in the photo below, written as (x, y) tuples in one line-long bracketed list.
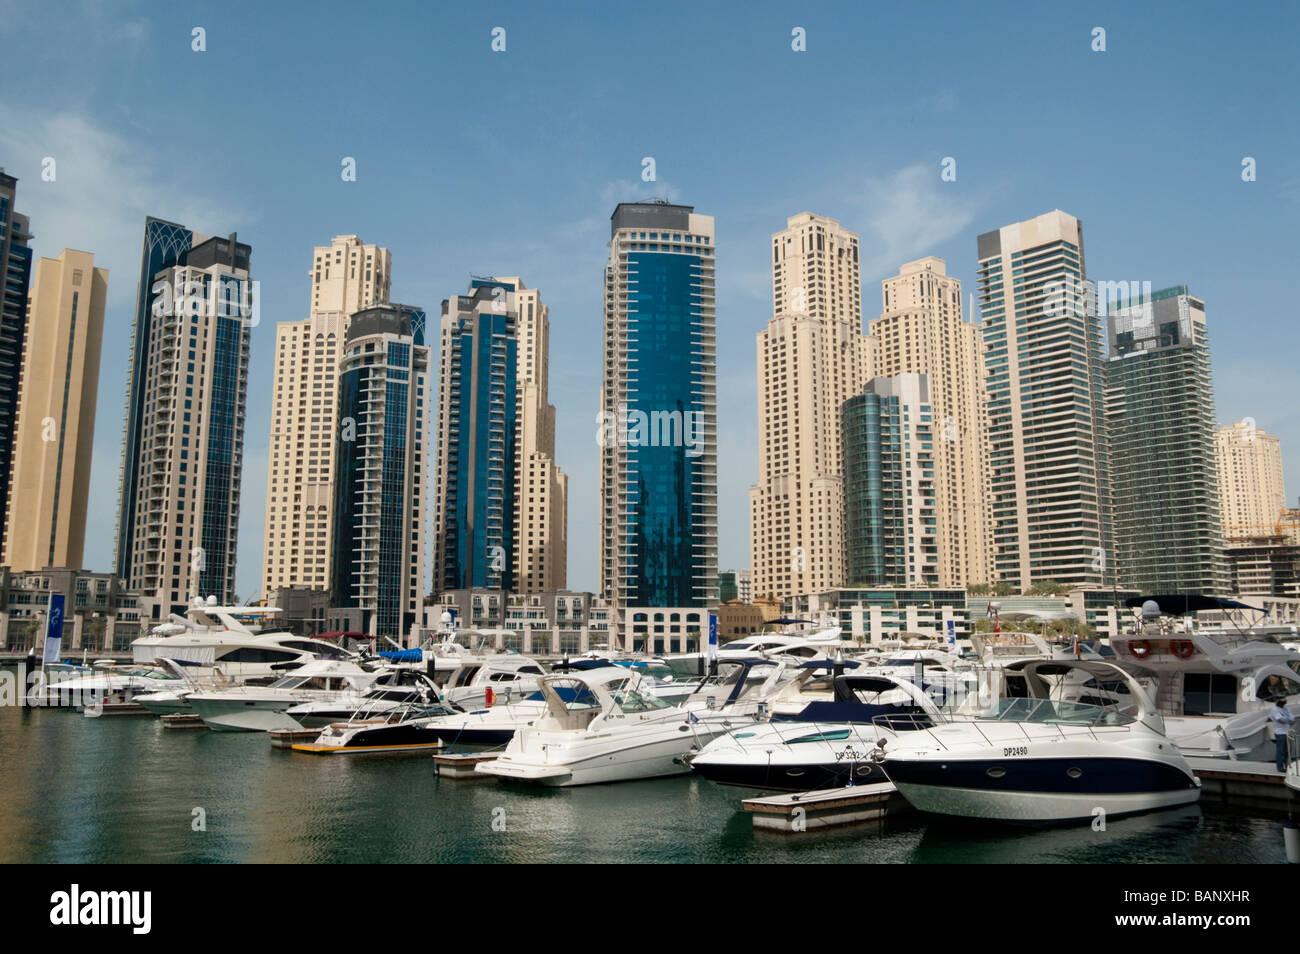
[(1055, 712), (629, 700), (288, 682)]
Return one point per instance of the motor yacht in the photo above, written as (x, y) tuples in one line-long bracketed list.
[(231, 640), (103, 683), (827, 745), (1036, 759), (600, 726), (263, 708), (1214, 685), (394, 688)]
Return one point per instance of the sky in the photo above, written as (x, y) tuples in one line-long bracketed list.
[(471, 161)]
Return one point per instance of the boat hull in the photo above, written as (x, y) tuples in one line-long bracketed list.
[(1038, 791), (243, 715), (598, 762)]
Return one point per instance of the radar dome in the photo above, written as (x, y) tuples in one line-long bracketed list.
[(1150, 610)]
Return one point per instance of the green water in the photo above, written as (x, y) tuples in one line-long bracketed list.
[(124, 789)]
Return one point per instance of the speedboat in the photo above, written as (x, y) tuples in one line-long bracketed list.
[(263, 708), (600, 726), (233, 640), (828, 745), (395, 688), (384, 723), (1213, 686), (104, 683), (1033, 759)]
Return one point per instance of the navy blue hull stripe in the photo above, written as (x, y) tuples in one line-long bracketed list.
[(793, 778), (1095, 776)]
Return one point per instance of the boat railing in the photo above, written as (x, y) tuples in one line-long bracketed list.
[(1020, 712), (1293, 756)]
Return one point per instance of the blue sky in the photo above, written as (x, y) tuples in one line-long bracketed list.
[(475, 162)]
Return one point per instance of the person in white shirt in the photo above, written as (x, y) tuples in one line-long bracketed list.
[(1282, 719)]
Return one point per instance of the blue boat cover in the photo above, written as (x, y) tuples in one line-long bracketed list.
[(403, 655)]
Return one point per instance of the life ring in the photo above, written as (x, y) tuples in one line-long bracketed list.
[(1182, 648), (1140, 648)]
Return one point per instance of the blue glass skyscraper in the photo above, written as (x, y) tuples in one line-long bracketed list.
[(378, 558), (16, 273), (658, 419)]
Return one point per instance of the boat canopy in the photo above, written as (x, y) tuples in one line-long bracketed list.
[(1184, 604)]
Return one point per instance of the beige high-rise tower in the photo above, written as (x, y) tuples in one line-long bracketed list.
[(920, 330), (1251, 495), (55, 427), (542, 489), (347, 276), (812, 357)]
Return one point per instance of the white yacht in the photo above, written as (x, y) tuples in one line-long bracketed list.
[(231, 640), (395, 688), (599, 726), (103, 683), (263, 708), (1212, 686), (828, 745), (1034, 759)]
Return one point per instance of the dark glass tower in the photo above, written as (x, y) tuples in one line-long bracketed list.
[(16, 272), (658, 419), (378, 559), (478, 426)]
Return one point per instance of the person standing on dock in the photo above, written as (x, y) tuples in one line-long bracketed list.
[(1282, 719)]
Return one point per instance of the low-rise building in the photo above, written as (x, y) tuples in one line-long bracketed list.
[(101, 614)]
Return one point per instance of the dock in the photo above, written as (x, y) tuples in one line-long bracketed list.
[(1227, 780), (460, 765), (804, 811), (183, 720), (285, 738), (116, 709)]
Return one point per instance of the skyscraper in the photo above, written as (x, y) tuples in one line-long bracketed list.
[(1160, 421), (812, 357), (1043, 365), (920, 330), (500, 501), (542, 490), (378, 535), (15, 272), (179, 510), (890, 511), (1251, 493), (54, 434), (657, 426), (347, 276)]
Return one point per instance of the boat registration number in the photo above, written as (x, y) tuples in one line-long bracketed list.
[(1016, 750)]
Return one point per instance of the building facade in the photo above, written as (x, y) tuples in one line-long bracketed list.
[(812, 357), (657, 425), (921, 331), (179, 511), (54, 434), (1160, 422), (1049, 514), (100, 613), (500, 500), (15, 273), (1251, 494), (378, 538), (890, 512), (347, 276)]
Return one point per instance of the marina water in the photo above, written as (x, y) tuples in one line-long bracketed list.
[(125, 789)]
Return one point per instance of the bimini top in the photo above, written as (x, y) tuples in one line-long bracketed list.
[(1184, 604)]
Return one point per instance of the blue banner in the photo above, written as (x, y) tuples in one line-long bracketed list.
[(952, 634), (53, 627), (713, 636)]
